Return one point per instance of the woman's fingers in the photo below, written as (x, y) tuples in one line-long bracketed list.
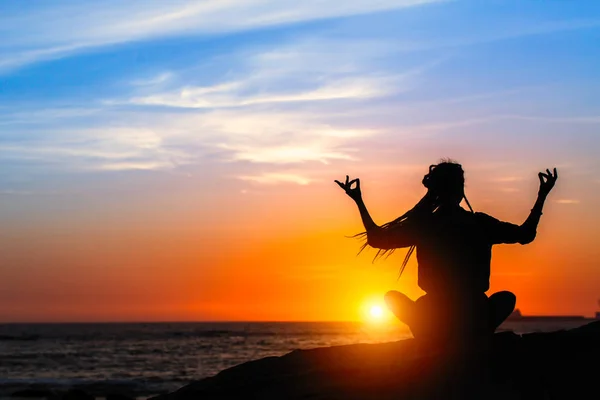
[(548, 179), (348, 184)]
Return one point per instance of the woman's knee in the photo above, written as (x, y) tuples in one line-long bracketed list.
[(401, 306), (506, 298), (393, 298)]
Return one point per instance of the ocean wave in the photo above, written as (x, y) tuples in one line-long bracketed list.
[(133, 387), (28, 338), (141, 335)]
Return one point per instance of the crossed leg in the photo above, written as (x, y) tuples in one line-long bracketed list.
[(499, 306), (403, 308)]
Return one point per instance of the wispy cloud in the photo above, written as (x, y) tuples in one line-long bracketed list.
[(509, 179), (153, 80), (255, 117), (279, 104), (283, 137), (562, 120), (110, 148), (286, 154), (229, 94), (56, 30), (567, 201), (271, 178), (141, 165), (304, 70), (147, 140)]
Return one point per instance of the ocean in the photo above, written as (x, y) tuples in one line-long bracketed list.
[(145, 359)]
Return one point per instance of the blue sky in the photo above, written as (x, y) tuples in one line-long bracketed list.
[(267, 92), (98, 86)]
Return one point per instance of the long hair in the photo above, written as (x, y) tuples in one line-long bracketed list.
[(442, 179)]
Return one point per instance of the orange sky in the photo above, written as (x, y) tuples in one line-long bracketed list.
[(270, 253)]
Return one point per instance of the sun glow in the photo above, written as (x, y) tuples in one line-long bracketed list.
[(373, 311), (376, 312)]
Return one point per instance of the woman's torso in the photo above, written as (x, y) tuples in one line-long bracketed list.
[(453, 253)]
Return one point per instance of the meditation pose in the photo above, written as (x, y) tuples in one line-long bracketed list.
[(454, 248)]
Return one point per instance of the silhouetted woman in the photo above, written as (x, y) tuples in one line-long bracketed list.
[(454, 248)]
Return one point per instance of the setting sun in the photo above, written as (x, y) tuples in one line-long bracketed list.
[(376, 312)]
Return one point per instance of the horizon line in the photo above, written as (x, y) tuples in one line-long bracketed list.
[(583, 316), (182, 322)]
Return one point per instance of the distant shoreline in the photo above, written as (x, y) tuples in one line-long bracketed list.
[(225, 322), (517, 316), (548, 318)]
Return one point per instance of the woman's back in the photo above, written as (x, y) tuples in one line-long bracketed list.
[(454, 251)]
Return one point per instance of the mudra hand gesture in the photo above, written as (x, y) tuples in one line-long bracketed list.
[(354, 193), (547, 181)]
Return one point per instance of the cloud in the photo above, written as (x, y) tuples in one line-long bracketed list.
[(271, 178), (286, 154), (109, 148), (296, 102), (509, 179), (228, 94), (142, 165), (13, 59), (304, 70), (563, 120), (567, 201), (145, 140), (276, 137), (285, 104), (58, 29), (54, 30), (154, 80), (256, 116)]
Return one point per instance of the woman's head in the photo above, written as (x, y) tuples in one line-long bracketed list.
[(445, 185), (446, 182)]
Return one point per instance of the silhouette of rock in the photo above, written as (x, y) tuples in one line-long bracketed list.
[(118, 396), (34, 393), (555, 365), (77, 394)]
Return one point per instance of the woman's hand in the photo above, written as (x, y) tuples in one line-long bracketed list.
[(354, 193), (547, 181)]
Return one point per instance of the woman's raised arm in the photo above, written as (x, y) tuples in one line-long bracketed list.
[(377, 237), (529, 227), (505, 232)]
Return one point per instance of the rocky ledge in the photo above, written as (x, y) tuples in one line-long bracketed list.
[(555, 365)]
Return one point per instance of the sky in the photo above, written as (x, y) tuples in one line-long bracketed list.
[(175, 161)]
